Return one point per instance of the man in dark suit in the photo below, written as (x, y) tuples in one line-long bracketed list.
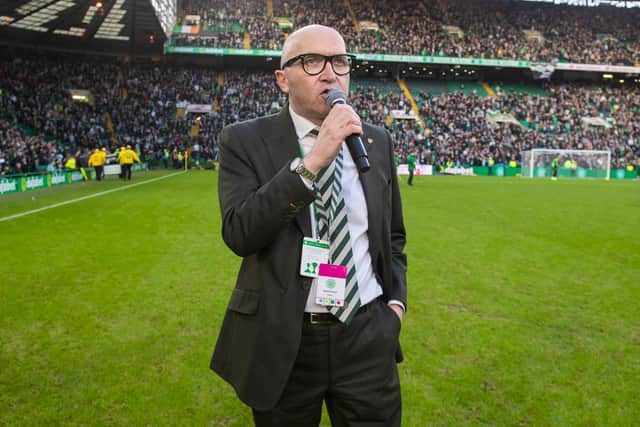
[(282, 347)]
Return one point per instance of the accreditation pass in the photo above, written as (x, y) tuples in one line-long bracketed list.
[(314, 253)]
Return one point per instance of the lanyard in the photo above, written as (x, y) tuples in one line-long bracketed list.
[(312, 207)]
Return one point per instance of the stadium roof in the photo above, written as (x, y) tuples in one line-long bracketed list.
[(133, 26)]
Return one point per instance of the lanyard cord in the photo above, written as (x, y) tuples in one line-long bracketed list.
[(312, 207)]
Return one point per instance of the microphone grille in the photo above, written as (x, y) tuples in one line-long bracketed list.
[(335, 96)]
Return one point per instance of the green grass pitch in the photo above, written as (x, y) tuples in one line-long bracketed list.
[(524, 304)]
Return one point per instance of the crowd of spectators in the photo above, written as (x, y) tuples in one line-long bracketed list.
[(142, 104), (224, 24), (487, 29), (332, 13), (39, 99), (222, 13), (132, 103), (457, 129), (22, 154)]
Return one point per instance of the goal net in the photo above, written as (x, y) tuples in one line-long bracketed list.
[(539, 163)]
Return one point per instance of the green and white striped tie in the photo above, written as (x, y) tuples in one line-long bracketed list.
[(331, 215)]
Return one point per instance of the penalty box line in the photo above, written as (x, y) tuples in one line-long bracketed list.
[(90, 196)]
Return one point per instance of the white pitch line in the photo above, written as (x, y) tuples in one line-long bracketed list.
[(90, 196)]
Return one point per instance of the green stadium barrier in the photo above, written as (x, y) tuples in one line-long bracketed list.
[(513, 171), (11, 185), (624, 174), (36, 182), (28, 182), (498, 170), (579, 173), (74, 175), (21, 183), (418, 59), (501, 170), (58, 178)]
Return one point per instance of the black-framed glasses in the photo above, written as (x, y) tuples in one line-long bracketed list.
[(314, 63)]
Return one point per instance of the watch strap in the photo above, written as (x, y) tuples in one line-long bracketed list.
[(301, 170)]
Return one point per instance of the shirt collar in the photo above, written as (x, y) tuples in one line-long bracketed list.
[(302, 125)]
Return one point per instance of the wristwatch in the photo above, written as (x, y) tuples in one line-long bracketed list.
[(297, 166)]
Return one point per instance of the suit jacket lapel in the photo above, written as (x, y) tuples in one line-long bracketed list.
[(282, 145), (372, 185)]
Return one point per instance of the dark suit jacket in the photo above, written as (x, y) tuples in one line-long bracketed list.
[(265, 215)]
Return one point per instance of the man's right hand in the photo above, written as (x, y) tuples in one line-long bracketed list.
[(341, 122)]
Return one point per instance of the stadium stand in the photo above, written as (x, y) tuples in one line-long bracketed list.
[(138, 104), (448, 119), (238, 25), (498, 29)]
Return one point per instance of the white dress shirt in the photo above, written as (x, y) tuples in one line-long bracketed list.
[(357, 216)]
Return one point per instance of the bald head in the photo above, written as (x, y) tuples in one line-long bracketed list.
[(301, 40), (307, 92)]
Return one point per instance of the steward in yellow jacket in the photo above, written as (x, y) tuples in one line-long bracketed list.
[(126, 157), (97, 160), (70, 163)]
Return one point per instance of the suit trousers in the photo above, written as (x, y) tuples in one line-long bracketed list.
[(352, 368)]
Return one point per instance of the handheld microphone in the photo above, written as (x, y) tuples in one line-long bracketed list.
[(354, 142)]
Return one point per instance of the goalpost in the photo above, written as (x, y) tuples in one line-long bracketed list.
[(537, 163)]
